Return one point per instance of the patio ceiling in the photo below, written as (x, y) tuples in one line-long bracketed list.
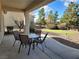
[(23, 5)]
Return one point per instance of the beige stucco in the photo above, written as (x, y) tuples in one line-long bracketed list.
[(1, 27), (19, 4), (23, 5), (1, 23), (28, 18), (11, 16)]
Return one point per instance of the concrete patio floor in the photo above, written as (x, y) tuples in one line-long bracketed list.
[(53, 50)]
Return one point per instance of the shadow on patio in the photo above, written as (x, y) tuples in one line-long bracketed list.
[(7, 51)]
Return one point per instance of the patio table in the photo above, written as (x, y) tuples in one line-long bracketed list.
[(33, 37)]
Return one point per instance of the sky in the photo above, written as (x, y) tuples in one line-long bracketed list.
[(57, 5)]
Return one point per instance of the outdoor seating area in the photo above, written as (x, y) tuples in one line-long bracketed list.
[(32, 40), (8, 42)]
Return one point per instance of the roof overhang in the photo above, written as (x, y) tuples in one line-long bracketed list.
[(23, 5)]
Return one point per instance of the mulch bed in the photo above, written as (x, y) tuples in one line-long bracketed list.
[(66, 42)]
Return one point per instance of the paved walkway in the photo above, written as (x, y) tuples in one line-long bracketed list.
[(64, 51)]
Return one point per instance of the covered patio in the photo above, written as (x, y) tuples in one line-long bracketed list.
[(52, 48), (19, 6)]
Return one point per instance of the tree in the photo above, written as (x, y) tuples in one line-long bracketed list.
[(69, 16), (41, 19), (50, 17), (77, 16), (55, 17)]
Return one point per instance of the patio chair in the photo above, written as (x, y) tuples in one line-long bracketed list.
[(38, 32), (25, 41), (41, 41), (16, 36)]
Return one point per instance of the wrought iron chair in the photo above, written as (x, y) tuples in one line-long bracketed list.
[(16, 36), (38, 32), (25, 41), (41, 41)]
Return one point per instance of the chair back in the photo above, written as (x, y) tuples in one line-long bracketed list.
[(44, 38), (24, 39), (16, 35), (38, 32)]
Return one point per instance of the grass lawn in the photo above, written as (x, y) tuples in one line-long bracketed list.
[(71, 36), (61, 32)]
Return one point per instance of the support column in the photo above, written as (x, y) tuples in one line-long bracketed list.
[(27, 23), (1, 23)]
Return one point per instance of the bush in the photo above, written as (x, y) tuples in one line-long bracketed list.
[(55, 27), (62, 26), (52, 26)]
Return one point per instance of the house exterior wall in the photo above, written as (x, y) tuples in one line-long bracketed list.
[(1, 27), (1, 23), (11, 16)]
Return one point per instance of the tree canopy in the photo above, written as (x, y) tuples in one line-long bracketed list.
[(70, 15), (41, 19)]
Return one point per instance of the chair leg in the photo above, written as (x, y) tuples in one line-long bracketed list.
[(33, 46), (14, 43), (42, 47), (29, 49), (36, 44), (25, 46), (19, 48)]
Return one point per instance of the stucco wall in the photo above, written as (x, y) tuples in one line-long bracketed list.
[(1, 27), (10, 16)]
